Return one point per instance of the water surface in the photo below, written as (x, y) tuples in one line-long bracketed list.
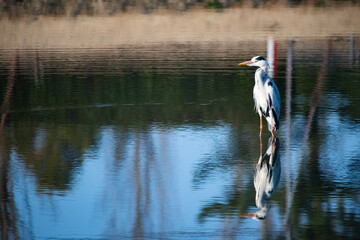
[(162, 141)]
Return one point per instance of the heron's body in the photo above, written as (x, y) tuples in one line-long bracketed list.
[(267, 99), (266, 94)]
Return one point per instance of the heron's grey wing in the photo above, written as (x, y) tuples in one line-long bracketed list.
[(273, 95)]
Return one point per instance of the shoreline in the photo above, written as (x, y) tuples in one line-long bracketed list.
[(195, 25)]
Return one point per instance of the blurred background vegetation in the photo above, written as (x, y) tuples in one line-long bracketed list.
[(16, 8)]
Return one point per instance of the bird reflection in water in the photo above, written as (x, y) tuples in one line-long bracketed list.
[(266, 178)]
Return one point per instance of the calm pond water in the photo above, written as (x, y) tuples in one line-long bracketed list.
[(162, 141)]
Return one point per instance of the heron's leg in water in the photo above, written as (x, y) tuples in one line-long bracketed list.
[(272, 129), (260, 158)]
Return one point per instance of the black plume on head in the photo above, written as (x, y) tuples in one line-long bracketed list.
[(259, 58)]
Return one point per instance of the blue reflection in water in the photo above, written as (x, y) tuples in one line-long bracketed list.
[(133, 184), (340, 146)]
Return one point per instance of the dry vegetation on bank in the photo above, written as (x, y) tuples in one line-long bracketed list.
[(163, 26), (19, 8)]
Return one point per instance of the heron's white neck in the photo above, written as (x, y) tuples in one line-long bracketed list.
[(259, 74)]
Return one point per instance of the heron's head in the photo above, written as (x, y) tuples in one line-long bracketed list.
[(257, 61)]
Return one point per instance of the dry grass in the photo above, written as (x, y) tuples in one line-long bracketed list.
[(196, 25)]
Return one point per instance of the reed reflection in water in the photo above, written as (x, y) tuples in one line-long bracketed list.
[(8, 222), (95, 144)]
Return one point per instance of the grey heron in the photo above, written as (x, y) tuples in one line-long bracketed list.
[(266, 94)]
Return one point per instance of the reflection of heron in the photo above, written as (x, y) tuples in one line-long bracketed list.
[(266, 178), (266, 94)]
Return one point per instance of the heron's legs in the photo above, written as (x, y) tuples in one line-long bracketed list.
[(260, 157), (272, 129), (260, 114)]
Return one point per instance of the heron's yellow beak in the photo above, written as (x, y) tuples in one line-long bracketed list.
[(245, 63)]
